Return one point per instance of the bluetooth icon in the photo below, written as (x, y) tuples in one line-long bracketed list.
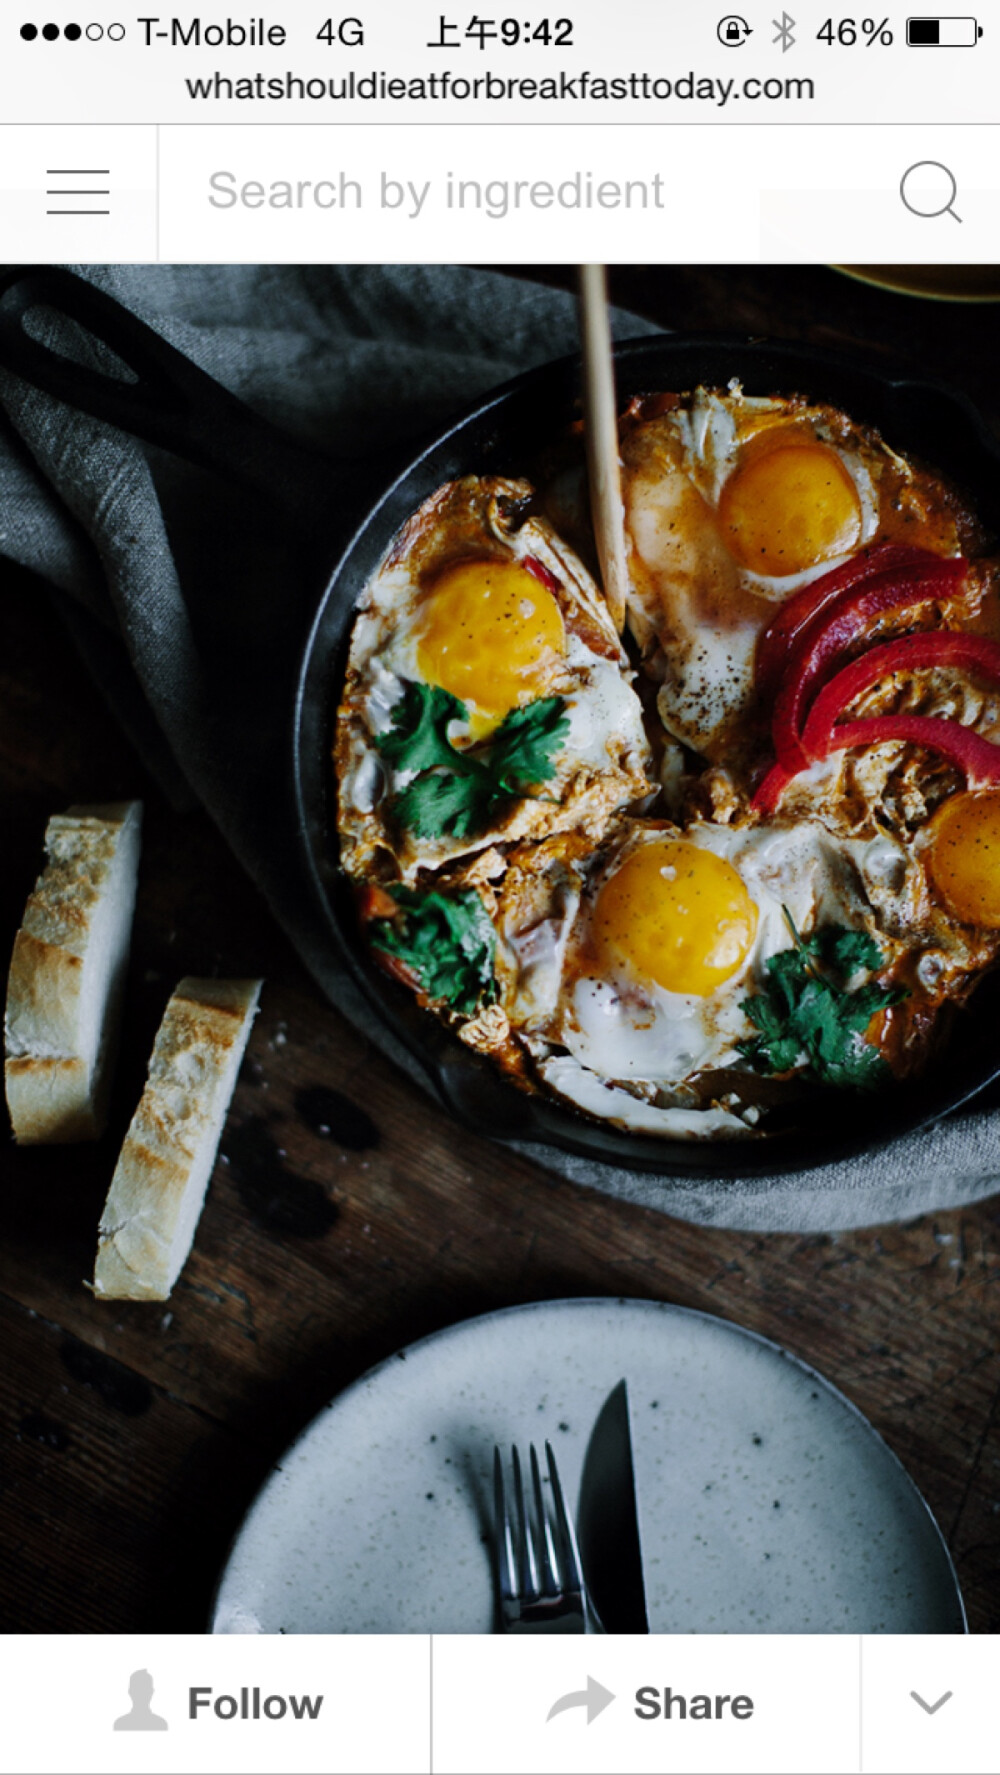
[(784, 31)]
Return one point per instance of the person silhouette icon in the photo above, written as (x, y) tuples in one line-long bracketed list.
[(141, 1718)]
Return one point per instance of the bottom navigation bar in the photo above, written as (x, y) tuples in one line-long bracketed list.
[(413, 1705)]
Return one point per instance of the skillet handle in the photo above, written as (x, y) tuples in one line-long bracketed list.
[(167, 401)]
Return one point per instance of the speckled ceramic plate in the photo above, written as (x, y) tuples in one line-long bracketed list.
[(767, 1502)]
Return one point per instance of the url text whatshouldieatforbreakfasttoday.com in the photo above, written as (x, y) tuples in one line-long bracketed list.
[(585, 87)]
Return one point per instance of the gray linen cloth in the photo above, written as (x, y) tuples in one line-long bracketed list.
[(344, 358)]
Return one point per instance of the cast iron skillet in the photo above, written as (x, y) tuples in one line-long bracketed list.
[(169, 402)]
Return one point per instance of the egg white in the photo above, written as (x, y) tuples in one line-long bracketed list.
[(695, 609), (605, 760)]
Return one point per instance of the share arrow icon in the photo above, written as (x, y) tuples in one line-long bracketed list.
[(595, 1698)]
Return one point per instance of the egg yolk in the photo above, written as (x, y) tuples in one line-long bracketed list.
[(676, 915), (790, 507), (492, 634), (964, 857)]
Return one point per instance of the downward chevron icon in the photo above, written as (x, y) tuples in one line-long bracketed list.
[(930, 1706)]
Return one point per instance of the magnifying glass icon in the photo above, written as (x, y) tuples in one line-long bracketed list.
[(929, 189)]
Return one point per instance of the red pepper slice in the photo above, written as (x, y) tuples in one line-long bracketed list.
[(374, 902), (768, 793), (538, 569), (978, 758), (798, 611), (397, 969), (908, 654), (834, 629)]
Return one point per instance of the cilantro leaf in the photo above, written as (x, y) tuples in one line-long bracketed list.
[(775, 1049), (438, 805), (808, 1016), (449, 943), (789, 972), (418, 738), (522, 751), (846, 952), (456, 792)]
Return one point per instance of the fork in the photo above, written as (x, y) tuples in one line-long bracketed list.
[(538, 1567)]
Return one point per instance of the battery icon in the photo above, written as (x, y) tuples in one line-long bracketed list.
[(943, 33)]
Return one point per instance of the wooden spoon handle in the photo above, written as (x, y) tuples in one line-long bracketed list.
[(601, 430)]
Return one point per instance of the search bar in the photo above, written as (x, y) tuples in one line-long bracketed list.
[(717, 195), (667, 193)]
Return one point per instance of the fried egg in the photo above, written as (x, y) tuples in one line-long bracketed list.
[(732, 504), (634, 981), (479, 598), (624, 975), (962, 851)]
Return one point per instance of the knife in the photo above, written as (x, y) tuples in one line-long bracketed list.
[(608, 1521)]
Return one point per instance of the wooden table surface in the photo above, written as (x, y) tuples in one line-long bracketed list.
[(347, 1215)]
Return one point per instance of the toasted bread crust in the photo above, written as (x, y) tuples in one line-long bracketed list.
[(163, 1169), (65, 983), (43, 997), (50, 1101)]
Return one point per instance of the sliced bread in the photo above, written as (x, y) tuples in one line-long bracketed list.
[(67, 975), (156, 1194)]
